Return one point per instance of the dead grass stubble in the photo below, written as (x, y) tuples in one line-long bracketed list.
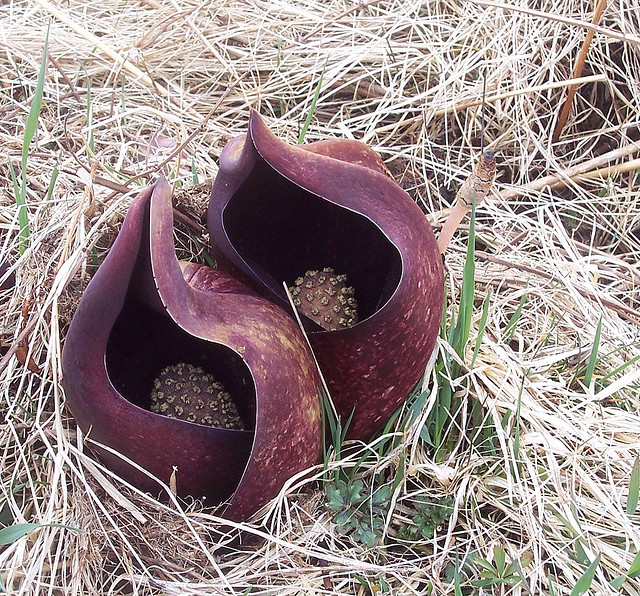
[(402, 76)]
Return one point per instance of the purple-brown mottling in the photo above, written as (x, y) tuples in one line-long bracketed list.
[(250, 466), (373, 366)]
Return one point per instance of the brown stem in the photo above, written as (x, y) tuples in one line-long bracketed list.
[(577, 71), (563, 178)]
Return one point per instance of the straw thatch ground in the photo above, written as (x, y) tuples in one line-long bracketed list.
[(553, 488)]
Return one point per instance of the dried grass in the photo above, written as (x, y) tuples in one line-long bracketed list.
[(404, 76)]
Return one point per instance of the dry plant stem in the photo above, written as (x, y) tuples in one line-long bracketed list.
[(24, 334), (474, 189), (76, 218), (627, 166), (628, 313), (633, 39), (339, 17), (507, 94), (456, 215), (577, 71), (179, 148), (117, 58), (128, 66), (575, 173), (67, 80), (465, 105)]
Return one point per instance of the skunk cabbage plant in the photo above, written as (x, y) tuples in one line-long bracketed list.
[(323, 226), (6, 281), (180, 372)]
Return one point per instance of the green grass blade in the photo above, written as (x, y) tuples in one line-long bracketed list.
[(523, 580), (482, 324), (328, 419), (16, 531), (194, 172), (552, 592), (23, 217), (584, 583), (460, 333), (312, 109), (618, 369), (634, 488), (580, 554), (36, 107), (457, 589), (29, 132), (634, 572), (442, 410), (594, 355), (415, 409), (16, 185), (510, 329), (467, 293), (52, 182), (458, 336)]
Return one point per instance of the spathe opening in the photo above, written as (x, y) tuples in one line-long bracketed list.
[(143, 342), (281, 231)]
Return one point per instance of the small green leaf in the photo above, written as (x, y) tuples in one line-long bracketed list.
[(634, 570), (365, 535), (12, 533), (381, 496), (354, 492), (499, 559), (634, 488), (584, 583), (485, 583), (486, 565), (334, 497), (345, 521)]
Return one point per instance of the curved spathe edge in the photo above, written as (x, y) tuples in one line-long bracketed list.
[(375, 364), (153, 441), (287, 435)]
